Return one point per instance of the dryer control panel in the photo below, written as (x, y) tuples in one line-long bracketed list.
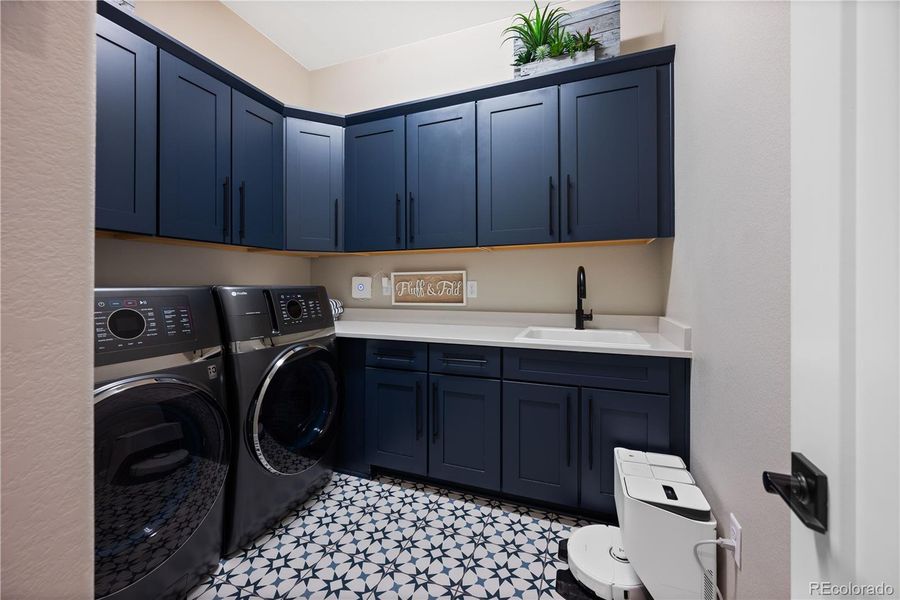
[(261, 312), (300, 309), (123, 322)]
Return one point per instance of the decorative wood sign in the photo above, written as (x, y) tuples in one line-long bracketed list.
[(430, 288)]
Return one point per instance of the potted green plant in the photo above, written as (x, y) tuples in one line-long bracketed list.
[(541, 43)]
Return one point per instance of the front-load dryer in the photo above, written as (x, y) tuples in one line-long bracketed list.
[(282, 373), (161, 441)]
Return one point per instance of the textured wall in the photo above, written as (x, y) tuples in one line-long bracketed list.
[(621, 279), (730, 277), (47, 269)]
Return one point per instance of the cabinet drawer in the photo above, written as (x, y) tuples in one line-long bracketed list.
[(410, 356), (478, 361), (609, 371)]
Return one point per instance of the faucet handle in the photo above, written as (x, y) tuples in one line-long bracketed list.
[(589, 316)]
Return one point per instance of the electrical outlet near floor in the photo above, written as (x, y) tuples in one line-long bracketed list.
[(735, 534)]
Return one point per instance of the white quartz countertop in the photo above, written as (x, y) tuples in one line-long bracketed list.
[(664, 337)]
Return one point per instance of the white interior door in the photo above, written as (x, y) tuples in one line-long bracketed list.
[(845, 277)]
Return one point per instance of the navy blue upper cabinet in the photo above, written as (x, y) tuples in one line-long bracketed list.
[(194, 153), (126, 130), (395, 420), (440, 177), (314, 182), (257, 154), (540, 434), (518, 183), (609, 419), (464, 431), (374, 164), (608, 157)]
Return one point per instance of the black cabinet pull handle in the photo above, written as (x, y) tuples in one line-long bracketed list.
[(590, 400), (568, 430), (434, 411), (412, 222), (449, 360), (418, 410), (406, 359), (397, 218), (226, 192), (568, 205), (336, 222), (550, 203), (243, 193)]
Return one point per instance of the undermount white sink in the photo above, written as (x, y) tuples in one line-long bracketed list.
[(583, 337)]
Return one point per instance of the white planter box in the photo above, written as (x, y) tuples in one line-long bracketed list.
[(560, 62)]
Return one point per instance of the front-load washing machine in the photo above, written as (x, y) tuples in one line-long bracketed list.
[(161, 441), (283, 388)]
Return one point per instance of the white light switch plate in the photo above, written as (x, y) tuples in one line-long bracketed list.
[(472, 289), (362, 287), (386, 286)]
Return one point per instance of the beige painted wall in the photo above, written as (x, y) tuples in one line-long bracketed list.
[(47, 219), (122, 263), (213, 30), (621, 279), (730, 277)]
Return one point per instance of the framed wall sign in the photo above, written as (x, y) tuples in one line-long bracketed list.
[(429, 288)]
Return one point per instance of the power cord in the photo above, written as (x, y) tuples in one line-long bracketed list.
[(726, 543)]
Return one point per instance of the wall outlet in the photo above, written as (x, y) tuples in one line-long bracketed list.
[(735, 534), (362, 287), (472, 289), (385, 286)]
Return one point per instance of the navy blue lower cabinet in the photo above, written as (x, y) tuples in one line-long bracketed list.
[(464, 431), (396, 411), (375, 183), (314, 185), (440, 177), (518, 183), (608, 157), (351, 451), (258, 167), (194, 153), (610, 419), (540, 435), (126, 130)]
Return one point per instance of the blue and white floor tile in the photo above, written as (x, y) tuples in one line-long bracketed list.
[(391, 539)]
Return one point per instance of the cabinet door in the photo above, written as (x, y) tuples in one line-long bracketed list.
[(258, 167), (518, 191), (464, 431), (395, 420), (126, 130), (440, 177), (194, 152), (610, 419), (608, 157), (540, 431), (314, 185), (375, 166)]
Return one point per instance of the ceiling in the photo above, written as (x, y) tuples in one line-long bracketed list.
[(319, 33)]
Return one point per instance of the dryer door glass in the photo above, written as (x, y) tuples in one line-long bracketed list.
[(293, 419), (160, 460)]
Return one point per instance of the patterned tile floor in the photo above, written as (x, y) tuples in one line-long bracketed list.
[(393, 539)]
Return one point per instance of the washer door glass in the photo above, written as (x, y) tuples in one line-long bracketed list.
[(160, 460), (295, 412)]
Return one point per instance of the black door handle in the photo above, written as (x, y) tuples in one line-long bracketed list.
[(568, 205), (434, 410), (243, 194), (568, 430), (418, 410), (397, 218), (226, 192), (805, 490), (550, 203), (590, 400), (412, 223), (336, 222)]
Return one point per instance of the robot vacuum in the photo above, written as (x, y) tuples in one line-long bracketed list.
[(598, 562)]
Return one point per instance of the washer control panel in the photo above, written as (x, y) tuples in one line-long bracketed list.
[(301, 309), (125, 322)]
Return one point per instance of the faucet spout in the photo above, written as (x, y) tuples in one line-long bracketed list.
[(581, 293)]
